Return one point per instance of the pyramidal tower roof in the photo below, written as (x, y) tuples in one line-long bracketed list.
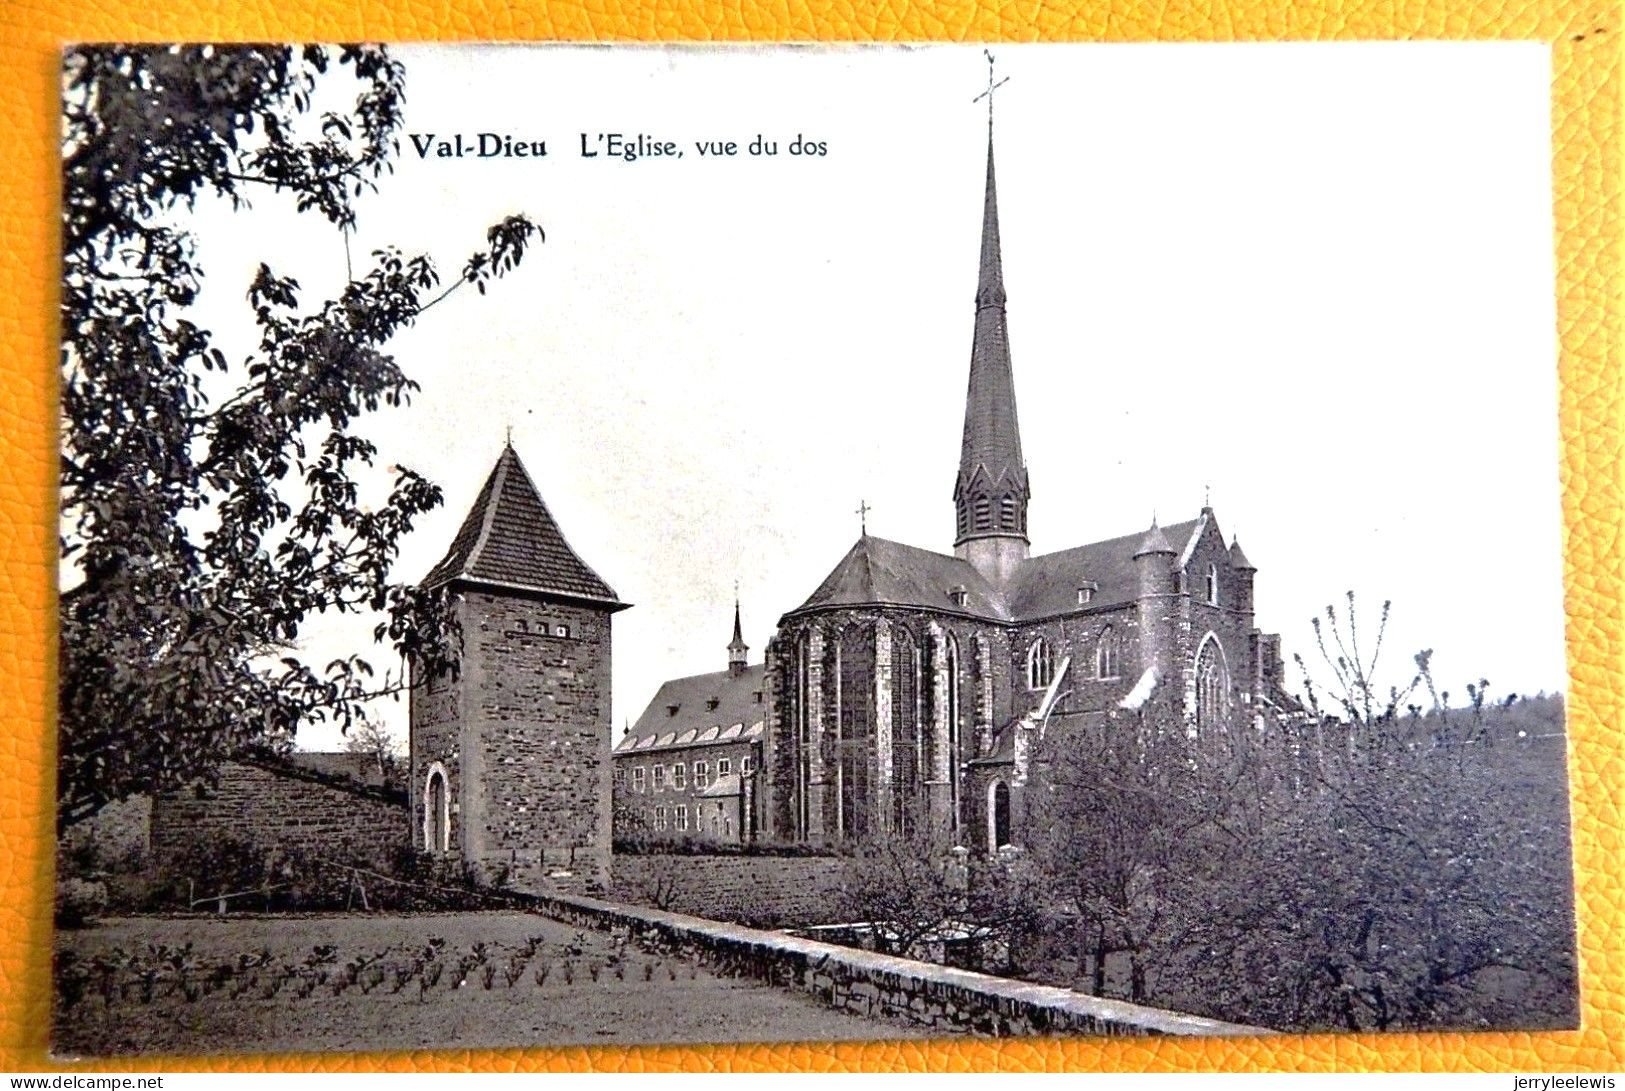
[(510, 540)]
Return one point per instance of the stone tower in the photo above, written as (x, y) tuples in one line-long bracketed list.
[(990, 492), (510, 758)]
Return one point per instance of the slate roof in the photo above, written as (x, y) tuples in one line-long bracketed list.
[(510, 539), (877, 572), (1048, 585), (737, 713)]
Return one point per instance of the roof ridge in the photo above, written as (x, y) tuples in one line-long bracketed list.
[(498, 482)]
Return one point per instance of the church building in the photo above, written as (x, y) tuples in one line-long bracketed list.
[(908, 691)]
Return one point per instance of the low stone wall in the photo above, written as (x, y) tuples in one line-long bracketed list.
[(757, 889), (871, 984), (284, 808)]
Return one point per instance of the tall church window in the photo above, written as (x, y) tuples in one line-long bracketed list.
[(1213, 584), (908, 744), (955, 758), (1212, 684), (1040, 664), (803, 769), (856, 678), (1106, 654)]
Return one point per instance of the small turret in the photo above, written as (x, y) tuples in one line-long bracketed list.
[(737, 650), (1154, 565), (1244, 571)]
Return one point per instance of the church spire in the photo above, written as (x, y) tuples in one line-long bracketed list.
[(991, 491), (738, 652)]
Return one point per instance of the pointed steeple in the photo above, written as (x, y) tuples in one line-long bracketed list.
[(991, 491), (990, 280), (509, 540), (1238, 559), (738, 652)]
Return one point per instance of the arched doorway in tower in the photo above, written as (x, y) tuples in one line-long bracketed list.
[(436, 811), (998, 816)]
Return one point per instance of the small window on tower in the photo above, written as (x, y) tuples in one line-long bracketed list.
[(562, 632), (1213, 584)]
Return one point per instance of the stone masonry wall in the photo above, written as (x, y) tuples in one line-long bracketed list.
[(536, 768), (777, 890), (872, 984), (280, 809)]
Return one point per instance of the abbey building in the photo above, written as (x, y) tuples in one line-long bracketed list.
[(910, 687)]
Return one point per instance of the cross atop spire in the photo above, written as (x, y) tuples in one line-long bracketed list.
[(862, 512), (988, 94)]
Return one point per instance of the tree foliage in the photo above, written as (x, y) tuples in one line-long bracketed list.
[(211, 504), (1394, 866)]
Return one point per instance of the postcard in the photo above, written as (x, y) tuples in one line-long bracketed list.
[(618, 545)]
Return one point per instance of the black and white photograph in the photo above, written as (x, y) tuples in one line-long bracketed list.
[(616, 545)]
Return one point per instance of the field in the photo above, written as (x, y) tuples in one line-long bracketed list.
[(465, 981)]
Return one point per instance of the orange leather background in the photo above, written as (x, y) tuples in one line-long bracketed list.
[(1586, 42)]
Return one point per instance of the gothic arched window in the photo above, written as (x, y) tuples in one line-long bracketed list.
[(1213, 584), (1040, 664), (856, 679), (955, 759), (908, 749), (1106, 655), (803, 719), (1212, 684)]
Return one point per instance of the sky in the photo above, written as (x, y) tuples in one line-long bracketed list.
[(1313, 282)]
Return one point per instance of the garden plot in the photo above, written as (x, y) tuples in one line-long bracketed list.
[(465, 981)]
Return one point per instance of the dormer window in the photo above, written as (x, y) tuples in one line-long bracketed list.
[(958, 595), (757, 696), (712, 703), (1086, 592), (671, 710)]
